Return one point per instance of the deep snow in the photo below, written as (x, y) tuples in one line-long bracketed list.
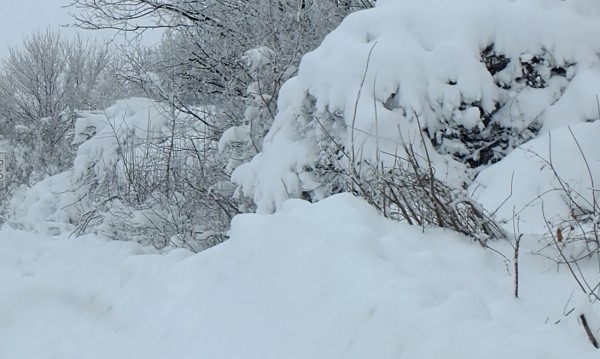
[(334, 279), (527, 185), (326, 280)]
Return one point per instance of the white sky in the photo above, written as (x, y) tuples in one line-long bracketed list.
[(18, 18)]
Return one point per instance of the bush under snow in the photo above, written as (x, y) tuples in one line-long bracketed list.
[(478, 77), (141, 172)]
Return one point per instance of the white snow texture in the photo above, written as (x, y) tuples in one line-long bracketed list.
[(334, 279), (325, 280)]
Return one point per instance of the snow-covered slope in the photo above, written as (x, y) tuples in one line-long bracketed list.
[(552, 178), (326, 280)]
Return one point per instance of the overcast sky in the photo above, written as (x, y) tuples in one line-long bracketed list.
[(18, 18)]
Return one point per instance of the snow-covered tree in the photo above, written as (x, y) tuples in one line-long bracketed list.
[(41, 84), (404, 86), (233, 55)]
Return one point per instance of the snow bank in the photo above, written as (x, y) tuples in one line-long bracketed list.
[(48, 207), (480, 77), (542, 178), (325, 280)]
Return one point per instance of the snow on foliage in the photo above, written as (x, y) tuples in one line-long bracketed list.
[(102, 152), (478, 77), (100, 136), (141, 172), (256, 58)]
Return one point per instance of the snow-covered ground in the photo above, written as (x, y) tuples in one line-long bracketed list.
[(335, 279), (527, 185), (326, 280)]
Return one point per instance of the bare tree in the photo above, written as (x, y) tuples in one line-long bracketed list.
[(199, 60), (42, 83)]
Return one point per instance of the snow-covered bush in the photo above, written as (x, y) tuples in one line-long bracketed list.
[(152, 173), (45, 208), (42, 83), (142, 172), (240, 143), (465, 89), (233, 55)]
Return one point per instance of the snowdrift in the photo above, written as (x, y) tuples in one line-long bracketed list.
[(549, 179), (326, 280)]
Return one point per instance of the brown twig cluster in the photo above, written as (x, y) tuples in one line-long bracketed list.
[(410, 192)]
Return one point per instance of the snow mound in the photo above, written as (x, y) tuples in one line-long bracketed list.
[(47, 207), (479, 77), (103, 136), (551, 178), (325, 280)]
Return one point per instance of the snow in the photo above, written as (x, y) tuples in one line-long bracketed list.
[(108, 142), (131, 118), (46, 207), (387, 72), (528, 184), (258, 57), (325, 280), (52, 205), (334, 279)]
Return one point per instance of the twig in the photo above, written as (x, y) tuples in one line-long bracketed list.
[(588, 331), (512, 178), (516, 264), (362, 83), (562, 254)]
